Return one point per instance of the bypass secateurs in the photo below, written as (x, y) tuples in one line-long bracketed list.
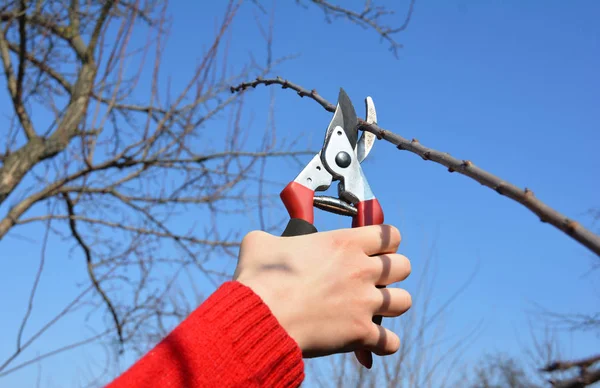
[(339, 160)]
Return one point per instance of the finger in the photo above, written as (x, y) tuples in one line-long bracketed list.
[(381, 341), (390, 268), (376, 239), (392, 302)]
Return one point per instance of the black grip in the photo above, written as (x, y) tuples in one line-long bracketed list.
[(298, 227), (377, 319)]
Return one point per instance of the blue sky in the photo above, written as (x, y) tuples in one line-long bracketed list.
[(512, 86)]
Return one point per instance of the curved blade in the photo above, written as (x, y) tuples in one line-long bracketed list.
[(367, 139), (344, 117), (350, 118), (336, 121)]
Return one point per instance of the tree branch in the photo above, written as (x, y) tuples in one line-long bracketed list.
[(369, 18), (90, 266), (19, 163), (465, 167), (98, 28), (50, 323), (64, 32), (586, 376), (15, 86), (21, 72), (68, 87), (566, 365), (128, 228), (34, 288), (45, 355)]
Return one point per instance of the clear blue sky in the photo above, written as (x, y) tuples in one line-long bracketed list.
[(512, 86)]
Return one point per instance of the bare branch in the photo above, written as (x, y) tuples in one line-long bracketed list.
[(571, 321), (97, 28), (21, 72), (60, 315), (565, 365), (586, 375), (369, 17), (465, 167), (34, 288), (90, 266), (15, 86), (285, 84), (53, 353), (64, 32), (121, 163), (20, 162)]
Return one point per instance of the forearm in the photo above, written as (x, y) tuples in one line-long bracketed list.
[(232, 339)]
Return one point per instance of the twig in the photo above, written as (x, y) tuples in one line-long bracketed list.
[(465, 167), (52, 353), (90, 267), (566, 365), (34, 287), (15, 86), (61, 314), (586, 376), (369, 18), (587, 379), (285, 84)]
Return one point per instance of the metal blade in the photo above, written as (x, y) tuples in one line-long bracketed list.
[(367, 139), (350, 118), (336, 120)]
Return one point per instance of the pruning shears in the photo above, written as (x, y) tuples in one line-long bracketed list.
[(338, 160)]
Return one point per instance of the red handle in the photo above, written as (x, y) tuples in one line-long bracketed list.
[(298, 201), (369, 212)]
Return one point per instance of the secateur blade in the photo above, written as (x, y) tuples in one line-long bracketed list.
[(344, 117), (350, 119), (367, 139)]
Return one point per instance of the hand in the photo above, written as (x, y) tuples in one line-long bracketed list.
[(322, 287)]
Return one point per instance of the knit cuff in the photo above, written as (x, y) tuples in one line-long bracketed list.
[(257, 338)]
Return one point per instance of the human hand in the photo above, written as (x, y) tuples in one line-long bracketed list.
[(322, 289)]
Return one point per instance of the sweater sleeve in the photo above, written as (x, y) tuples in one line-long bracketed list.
[(230, 340)]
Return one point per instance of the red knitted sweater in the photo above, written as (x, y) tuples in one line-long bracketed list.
[(231, 340)]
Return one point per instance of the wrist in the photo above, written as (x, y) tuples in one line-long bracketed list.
[(279, 306)]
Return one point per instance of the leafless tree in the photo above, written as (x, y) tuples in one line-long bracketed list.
[(109, 159)]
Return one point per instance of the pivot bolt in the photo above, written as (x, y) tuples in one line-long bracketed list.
[(343, 159)]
